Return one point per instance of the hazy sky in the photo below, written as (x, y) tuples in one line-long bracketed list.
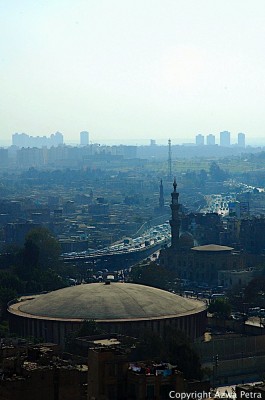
[(132, 70)]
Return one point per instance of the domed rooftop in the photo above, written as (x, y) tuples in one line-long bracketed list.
[(186, 240), (117, 301), (213, 248)]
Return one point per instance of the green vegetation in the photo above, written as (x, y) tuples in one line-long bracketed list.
[(234, 165), (153, 275), (251, 296), (254, 293), (33, 268), (220, 308), (6, 295), (47, 248), (88, 328), (174, 347)]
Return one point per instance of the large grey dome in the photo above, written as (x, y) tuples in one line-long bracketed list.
[(117, 301)]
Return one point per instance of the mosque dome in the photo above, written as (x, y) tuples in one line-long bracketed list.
[(186, 240)]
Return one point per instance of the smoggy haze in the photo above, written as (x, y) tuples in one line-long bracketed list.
[(132, 70)]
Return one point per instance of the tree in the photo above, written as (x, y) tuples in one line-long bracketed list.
[(6, 295), (221, 308), (88, 328), (28, 259), (174, 347), (179, 351), (9, 255), (152, 275), (254, 292), (9, 280), (45, 247), (150, 346), (216, 173), (49, 280)]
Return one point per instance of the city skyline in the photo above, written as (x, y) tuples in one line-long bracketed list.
[(24, 140), (134, 70)]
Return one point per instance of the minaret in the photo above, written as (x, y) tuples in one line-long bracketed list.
[(161, 196), (175, 220), (169, 161)]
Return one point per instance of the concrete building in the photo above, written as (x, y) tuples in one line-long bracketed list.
[(3, 157), (31, 157), (84, 138), (37, 372), (108, 364), (23, 140), (241, 357), (241, 140), (242, 278), (225, 138), (16, 232), (202, 263), (250, 391), (124, 308), (210, 140), (199, 140), (154, 381), (115, 375)]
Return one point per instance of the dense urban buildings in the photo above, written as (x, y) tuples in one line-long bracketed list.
[(23, 140), (202, 264), (104, 366), (114, 375), (225, 139), (104, 204), (30, 372)]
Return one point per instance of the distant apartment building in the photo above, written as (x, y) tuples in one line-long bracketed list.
[(210, 140), (56, 139), (20, 139), (199, 140), (31, 157), (15, 233), (225, 138), (84, 138), (241, 139), (121, 151), (152, 142), (57, 155), (3, 157), (24, 140)]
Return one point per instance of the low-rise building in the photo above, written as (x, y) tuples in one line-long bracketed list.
[(249, 391), (39, 373)]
